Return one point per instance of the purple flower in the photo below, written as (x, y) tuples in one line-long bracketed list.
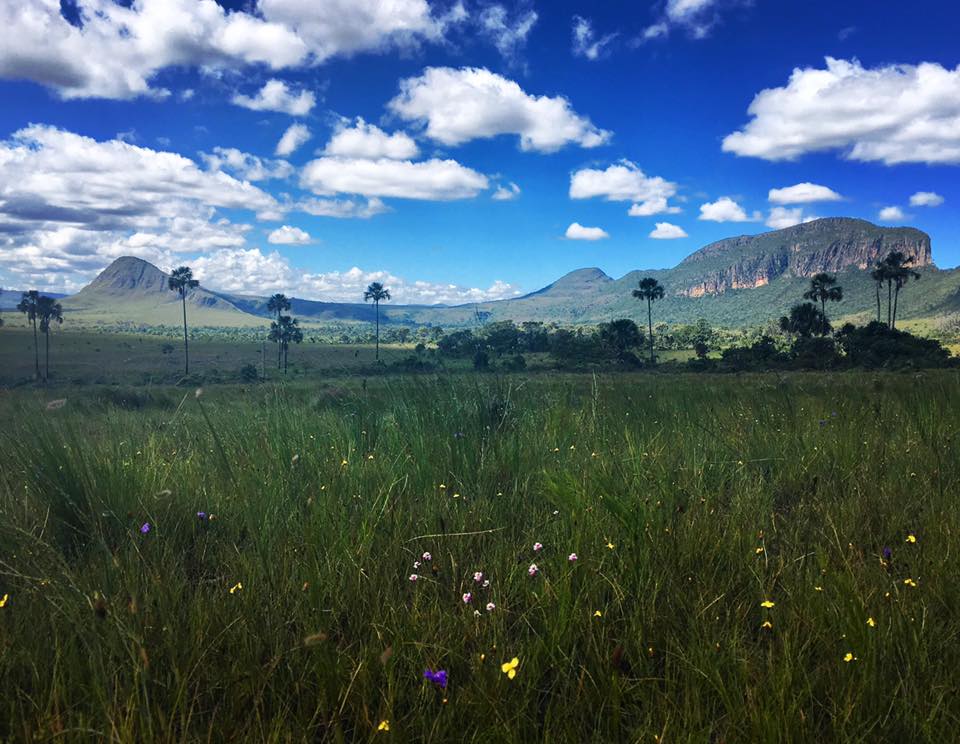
[(202, 516), (467, 598), (145, 528), (572, 557), (438, 677), (427, 557), (887, 553), (537, 547)]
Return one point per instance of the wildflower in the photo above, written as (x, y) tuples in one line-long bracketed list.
[(510, 667), (476, 613), (145, 528), (384, 725), (911, 538), (486, 583), (537, 547), (767, 625), (767, 604), (414, 577), (909, 582), (887, 554), (443, 486), (369, 457), (416, 564), (758, 551), (491, 607), (3, 600), (236, 588), (438, 677), (572, 557), (467, 598), (202, 516), (343, 463), (870, 622), (427, 557), (610, 545), (478, 576), (848, 657), (533, 570), (597, 613), (818, 588)]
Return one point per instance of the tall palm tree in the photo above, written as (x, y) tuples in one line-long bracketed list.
[(899, 273), (49, 311), (284, 331), (879, 276), (277, 304), (823, 289), (377, 292), (805, 320), (650, 290), (28, 305), (181, 280)]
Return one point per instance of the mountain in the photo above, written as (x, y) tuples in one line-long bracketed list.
[(739, 281)]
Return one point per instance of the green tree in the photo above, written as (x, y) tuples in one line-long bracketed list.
[(823, 289), (181, 281), (285, 331), (650, 290), (277, 304), (879, 276), (29, 306), (620, 336), (378, 293), (898, 272), (49, 311), (805, 320)]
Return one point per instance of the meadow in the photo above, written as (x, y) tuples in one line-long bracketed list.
[(654, 558)]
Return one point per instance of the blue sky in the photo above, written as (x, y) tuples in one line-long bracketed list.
[(128, 129)]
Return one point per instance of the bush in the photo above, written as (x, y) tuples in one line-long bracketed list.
[(481, 360), (516, 363), (248, 373), (874, 346)]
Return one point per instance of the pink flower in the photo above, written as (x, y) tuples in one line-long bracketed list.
[(478, 576), (427, 557), (491, 607), (572, 557), (414, 577), (533, 570), (537, 547), (467, 598)]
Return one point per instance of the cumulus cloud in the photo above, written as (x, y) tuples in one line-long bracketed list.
[(508, 35), (506, 192), (585, 41), (926, 199), (726, 209), (625, 181), (891, 214), (276, 95), (296, 135), (803, 193), (893, 114), (246, 166), (666, 231), (458, 105), (783, 217), (576, 231), (288, 235), (116, 50), (343, 208), (434, 180), (362, 140)]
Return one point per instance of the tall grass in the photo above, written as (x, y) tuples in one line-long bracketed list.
[(688, 502)]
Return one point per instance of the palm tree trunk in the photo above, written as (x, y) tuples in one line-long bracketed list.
[(650, 327), (279, 343), (36, 352), (46, 361), (878, 301), (285, 350), (889, 304), (896, 298), (377, 306), (823, 311), (186, 347)]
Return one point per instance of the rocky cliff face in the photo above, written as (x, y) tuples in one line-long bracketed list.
[(831, 245)]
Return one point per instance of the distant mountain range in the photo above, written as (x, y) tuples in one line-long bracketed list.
[(734, 282)]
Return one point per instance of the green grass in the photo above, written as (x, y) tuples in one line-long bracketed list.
[(716, 494)]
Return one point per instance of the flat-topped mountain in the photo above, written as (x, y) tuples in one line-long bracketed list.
[(739, 281)]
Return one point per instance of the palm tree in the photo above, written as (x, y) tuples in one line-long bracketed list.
[(182, 281), (283, 331), (49, 311), (879, 276), (277, 304), (805, 320), (823, 288), (28, 305), (898, 274), (650, 290), (377, 292)]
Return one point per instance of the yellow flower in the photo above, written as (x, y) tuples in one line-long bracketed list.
[(510, 667), (911, 538), (597, 613), (849, 657), (871, 622), (369, 457), (767, 625), (3, 600), (384, 725), (767, 604), (818, 588), (236, 588), (909, 582), (443, 486), (343, 463), (758, 551), (610, 545)]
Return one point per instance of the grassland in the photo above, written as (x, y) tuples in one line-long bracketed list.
[(700, 509)]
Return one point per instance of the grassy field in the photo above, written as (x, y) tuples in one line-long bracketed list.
[(757, 559)]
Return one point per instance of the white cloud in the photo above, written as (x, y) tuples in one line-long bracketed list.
[(585, 42), (576, 231), (249, 271), (459, 105), (506, 192), (435, 180), (246, 166), (276, 95), (625, 182), (666, 231), (783, 217), (803, 193), (926, 199), (893, 114), (291, 140), (891, 214), (288, 235), (362, 140), (726, 209), (697, 17), (116, 50), (509, 37), (343, 208)]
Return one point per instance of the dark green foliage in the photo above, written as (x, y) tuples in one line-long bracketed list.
[(458, 344), (481, 360), (501, 337), (876, 346), (805, 320), (620, 336), (248, 373), (761, 355)]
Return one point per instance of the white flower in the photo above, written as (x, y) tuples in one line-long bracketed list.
[(427, 557), (413, 577), (491, 607), (533, 570), (572, 557)]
